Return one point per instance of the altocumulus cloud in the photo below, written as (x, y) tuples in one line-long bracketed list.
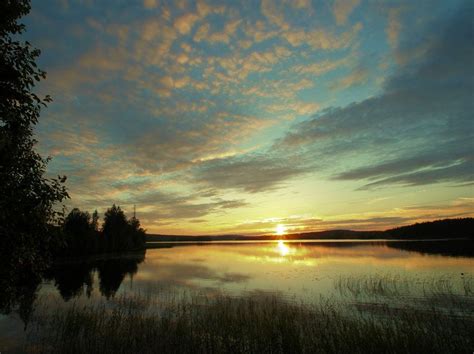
[(190, 111), (419, 130)]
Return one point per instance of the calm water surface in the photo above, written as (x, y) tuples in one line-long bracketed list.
[(301, 271)]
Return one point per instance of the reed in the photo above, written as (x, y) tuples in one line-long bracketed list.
[(190, 322)]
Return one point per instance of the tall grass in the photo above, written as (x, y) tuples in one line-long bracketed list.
[(390, 285), (388, 292), (256, 323)]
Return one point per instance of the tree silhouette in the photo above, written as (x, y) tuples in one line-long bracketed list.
[(27, 197), (81, 237), (121, 234), (138, 234), (79, 232)]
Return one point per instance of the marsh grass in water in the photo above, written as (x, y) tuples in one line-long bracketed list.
[(395, 285), (388, 293), (190, 322)]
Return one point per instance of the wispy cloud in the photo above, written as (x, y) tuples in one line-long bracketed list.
[(417, 131), (250, 173)]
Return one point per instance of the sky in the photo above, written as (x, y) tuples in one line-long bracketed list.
[(239, 116)]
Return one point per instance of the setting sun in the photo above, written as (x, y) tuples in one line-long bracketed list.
[(280, 229)]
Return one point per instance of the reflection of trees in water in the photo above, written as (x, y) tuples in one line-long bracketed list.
[(112, 272), (19, 292), (72, 279), (453, 248)]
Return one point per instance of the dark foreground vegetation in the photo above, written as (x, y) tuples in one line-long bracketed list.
[(78, 248), (33, 230), (258, 323), (30, 202)]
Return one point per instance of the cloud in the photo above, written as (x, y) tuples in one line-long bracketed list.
[(237, 67), (301, 4), (371, 220), (302, 108), (224, 36), (249, 173), (274, 14), (150, 4), (357, 76), (459, 171), (258, 31), (278, 88), (203, 9), (192, 94), (202, 32), (342, 9), (171, 206), (417, 131), (185, 23), (393, 27), (170, 145), (321, 67), (229, 30), (297, 224), (321, 38)]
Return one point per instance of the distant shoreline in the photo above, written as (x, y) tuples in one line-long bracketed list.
[(433, 230), (355, 240)]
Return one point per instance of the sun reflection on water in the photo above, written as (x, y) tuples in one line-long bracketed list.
[(283, 249)]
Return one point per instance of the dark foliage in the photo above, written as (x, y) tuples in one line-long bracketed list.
[(119, 234), (446, 228), (27, 197), (80, 234)]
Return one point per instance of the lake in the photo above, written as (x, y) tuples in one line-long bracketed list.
[(301, 271)]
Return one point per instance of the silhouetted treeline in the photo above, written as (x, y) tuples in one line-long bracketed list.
[(447, 228), (82, 236)]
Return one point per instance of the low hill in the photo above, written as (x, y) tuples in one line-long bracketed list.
[(447, 228)]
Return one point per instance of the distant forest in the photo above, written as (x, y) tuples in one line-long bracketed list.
[(447, 228)]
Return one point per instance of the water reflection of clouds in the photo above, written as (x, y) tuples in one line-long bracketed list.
[(243, 267), (185, 274)]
